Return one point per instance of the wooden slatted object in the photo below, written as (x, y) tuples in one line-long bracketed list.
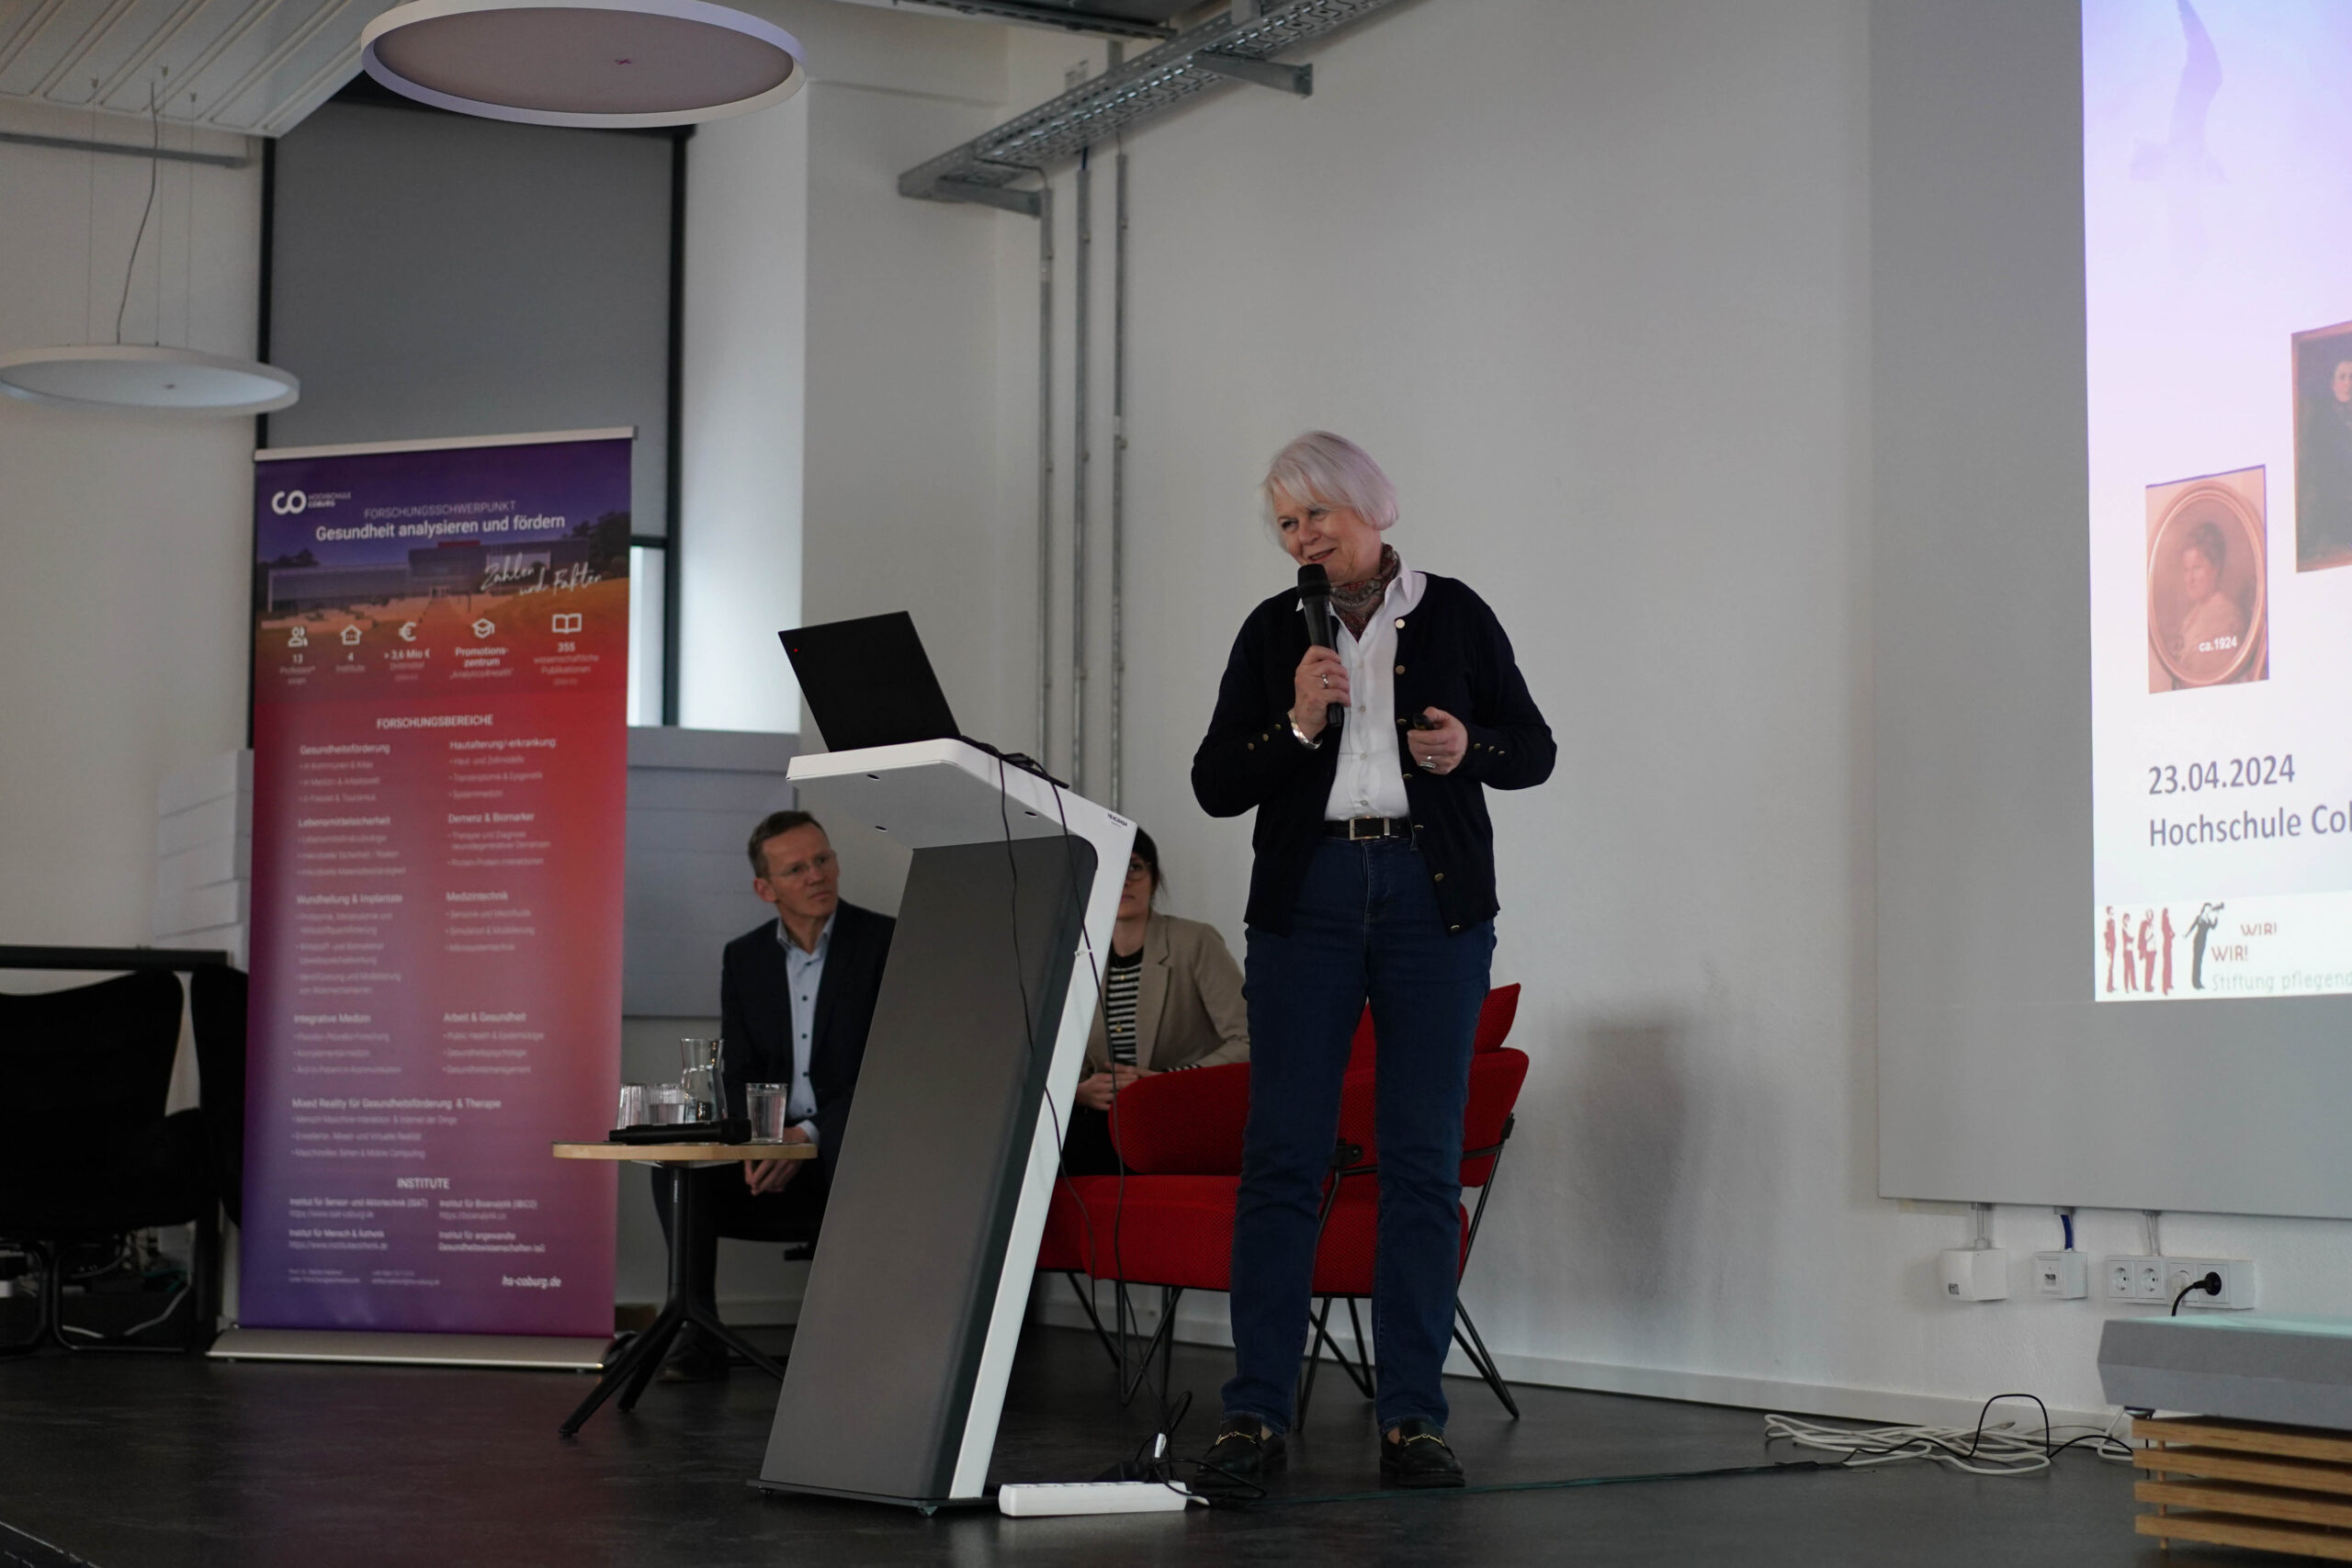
[(2246, 1484)]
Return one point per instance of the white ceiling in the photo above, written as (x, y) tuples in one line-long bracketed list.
[(253, 67)]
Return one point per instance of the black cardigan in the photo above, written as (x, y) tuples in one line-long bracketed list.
[(1451, 654), (756, 1016)]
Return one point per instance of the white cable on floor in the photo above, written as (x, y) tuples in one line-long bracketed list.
[(1999, 1448)]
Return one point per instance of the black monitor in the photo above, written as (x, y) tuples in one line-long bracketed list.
[(869, 682)]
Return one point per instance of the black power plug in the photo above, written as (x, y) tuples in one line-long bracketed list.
[(2211, 1284)]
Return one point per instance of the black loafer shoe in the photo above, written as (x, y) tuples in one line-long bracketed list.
[(1419, 1456), (694, 1357), (1244, 1454)]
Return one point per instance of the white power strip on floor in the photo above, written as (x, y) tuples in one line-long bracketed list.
[(1048, 1498)]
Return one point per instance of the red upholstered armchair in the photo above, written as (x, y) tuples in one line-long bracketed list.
[(1345, 1252), (1170, 1223)]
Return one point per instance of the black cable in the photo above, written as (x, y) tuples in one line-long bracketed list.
[(1012, 864), (1976, 1439), (2211, 1284), (1392, 1494), (1925, 1446), (1170, 1415), (137, 239), (2101, 1439), (1029, 1025)]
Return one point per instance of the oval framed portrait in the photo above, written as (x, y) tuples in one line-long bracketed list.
[(2207, 586)]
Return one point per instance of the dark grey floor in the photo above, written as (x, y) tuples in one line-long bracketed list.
[(152, 1463)]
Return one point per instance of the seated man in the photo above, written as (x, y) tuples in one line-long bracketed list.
[(796, 997)]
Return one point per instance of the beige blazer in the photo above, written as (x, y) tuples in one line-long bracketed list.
[(1189, 1012)]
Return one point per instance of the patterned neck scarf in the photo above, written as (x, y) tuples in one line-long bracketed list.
[(1357, 601)]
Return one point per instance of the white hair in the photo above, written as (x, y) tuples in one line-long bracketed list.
[(1334, 471)]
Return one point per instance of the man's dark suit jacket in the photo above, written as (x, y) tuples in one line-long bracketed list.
[(756, 1016)]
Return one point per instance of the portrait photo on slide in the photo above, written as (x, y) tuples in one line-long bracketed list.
[(2323, 447), (2207, 600)]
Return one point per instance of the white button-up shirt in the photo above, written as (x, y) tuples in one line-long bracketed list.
[(1371, 780), (804, 973)]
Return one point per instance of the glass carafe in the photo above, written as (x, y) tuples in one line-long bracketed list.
[(703, 1077)]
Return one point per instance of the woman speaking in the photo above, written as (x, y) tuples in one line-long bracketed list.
[(1375, 880)]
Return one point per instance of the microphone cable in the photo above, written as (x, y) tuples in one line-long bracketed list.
[(1168, 1417)]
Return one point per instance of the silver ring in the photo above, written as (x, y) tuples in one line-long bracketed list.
[(1427, 766), (1326, 683)]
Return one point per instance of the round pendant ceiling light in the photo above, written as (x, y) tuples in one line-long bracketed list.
[(130, 377), (615, 64)]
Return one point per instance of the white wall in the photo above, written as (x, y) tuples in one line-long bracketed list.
[(747, 214), (891, 456), (1593, 281), (123, 609)]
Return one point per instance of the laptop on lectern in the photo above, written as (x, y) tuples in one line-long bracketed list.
[(869, 682)]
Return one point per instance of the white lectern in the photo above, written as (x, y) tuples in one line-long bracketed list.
[(921, 1280)]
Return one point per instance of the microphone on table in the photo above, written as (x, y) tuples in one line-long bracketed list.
[(1315, 602)]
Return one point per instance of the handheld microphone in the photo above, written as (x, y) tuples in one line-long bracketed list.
[(1315, 602)]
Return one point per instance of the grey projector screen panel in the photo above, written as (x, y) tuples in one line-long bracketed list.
[(436, 274), (887, 1350), (1999, 1078)]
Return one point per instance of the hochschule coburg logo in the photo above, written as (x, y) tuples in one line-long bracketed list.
[(287, 502)]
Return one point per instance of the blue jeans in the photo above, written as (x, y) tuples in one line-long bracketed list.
[(1366, 927)]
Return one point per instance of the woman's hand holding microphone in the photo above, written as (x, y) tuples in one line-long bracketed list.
[(1437, 741), (1320, 681)]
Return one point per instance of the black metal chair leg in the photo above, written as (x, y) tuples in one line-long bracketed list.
[(1169, 1297), (1359, 1368), (1086, 1300), (1152, 1347), (1475, 1349), (1315, 1343), (1123, 1320), (52, 1296), (38, 1279), (1367, 1383), (204, 1278)]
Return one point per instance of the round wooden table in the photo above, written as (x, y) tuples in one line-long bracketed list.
[(636, 1365)]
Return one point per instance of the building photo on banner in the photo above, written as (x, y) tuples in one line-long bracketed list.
[(851, 779)]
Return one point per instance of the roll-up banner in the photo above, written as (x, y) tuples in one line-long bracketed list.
[(440, 782)]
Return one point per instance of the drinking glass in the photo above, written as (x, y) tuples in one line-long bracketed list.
[(702, 1078), (767, 1105), (666, 1104), (632, 1107)]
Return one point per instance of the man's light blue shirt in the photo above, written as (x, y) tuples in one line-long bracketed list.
[(804, 974)]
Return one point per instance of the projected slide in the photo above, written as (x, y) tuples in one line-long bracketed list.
[(2217, 205)]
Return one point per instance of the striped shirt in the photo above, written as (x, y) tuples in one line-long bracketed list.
[(1122, 977)]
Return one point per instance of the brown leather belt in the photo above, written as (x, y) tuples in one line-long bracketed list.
[(1359, 827)]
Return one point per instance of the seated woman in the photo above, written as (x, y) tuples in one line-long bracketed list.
[(1171, 998)]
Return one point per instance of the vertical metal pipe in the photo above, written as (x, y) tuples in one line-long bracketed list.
[(674, 428), (1045, 467), (266, 305), (1118, 479), (1081, 461)]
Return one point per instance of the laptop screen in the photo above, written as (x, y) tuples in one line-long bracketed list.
[(869, 682)]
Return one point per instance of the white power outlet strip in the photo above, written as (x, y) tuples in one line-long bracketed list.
[(2154, 1281), (1048, 1499)]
